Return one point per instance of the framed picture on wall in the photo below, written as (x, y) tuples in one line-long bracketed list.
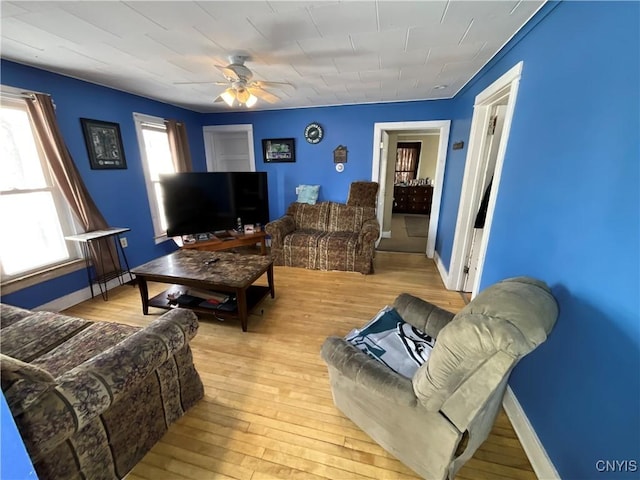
[(104, 144), (279, 150)]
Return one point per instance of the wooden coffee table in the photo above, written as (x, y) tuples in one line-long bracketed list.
[(217, 271)]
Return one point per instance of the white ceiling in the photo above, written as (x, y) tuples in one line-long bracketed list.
[(333, 53)]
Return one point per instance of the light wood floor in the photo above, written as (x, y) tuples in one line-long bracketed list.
[(267, 411)]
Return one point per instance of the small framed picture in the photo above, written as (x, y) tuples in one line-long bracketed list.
[(279, 150), (249, 228), (104, 144)]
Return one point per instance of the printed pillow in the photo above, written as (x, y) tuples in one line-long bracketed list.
[(308, 194), (393, 342)]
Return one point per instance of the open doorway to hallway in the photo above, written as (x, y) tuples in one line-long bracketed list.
[(411, 168), (409, 161)]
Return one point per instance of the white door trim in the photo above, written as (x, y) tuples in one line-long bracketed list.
[(379, 169), (209, 148), (505, 86)]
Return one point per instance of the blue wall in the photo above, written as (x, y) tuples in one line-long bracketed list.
[(568, 212), (351, 126), (119, 194)]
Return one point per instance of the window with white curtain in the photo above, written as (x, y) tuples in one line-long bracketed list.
[(156, 159), (407, 158), (34, 215)]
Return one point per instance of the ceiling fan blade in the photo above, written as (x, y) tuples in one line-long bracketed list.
[(201, 83), (260, 84), (263, 94), (190, 83)]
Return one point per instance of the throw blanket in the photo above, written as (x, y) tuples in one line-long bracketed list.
[(390, 340)]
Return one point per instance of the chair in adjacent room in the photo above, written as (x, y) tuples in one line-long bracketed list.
[(434, 421), (363, 194)]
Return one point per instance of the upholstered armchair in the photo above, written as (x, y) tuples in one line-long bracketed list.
[(435, 421), (363, 194)]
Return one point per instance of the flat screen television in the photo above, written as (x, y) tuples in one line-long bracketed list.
[(199, 202)]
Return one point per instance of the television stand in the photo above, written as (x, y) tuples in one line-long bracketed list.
[(232, 239), (224, 234)]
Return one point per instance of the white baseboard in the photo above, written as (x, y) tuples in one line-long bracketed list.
[(444, 274), (79, 296), (386, 234), (540, 461)]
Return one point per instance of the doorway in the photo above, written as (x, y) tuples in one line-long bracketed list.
[(490, 125), (412, 158), (229, 148), (386, 137)]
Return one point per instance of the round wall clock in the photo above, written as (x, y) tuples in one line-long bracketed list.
[(313, 133)]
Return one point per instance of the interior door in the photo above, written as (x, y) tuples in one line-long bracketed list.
[(489, 158), (229, 149)]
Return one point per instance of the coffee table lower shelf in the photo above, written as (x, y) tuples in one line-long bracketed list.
[(255, 294)]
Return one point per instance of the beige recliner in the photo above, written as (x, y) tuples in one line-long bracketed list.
[(434, 422)]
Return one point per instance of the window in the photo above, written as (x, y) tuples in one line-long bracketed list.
[(156, 159), (407, 156), (34, 214)]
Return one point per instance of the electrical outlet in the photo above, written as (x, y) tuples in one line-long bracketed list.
[(123, 242)]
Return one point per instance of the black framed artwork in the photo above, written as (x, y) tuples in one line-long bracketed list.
[(104, 144), (279, 150)]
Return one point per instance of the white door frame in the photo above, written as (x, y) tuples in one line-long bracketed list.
[(379, 169), (209, 148), (505, 86)]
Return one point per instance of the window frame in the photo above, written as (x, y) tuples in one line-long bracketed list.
[(14, 98), (141, 120)]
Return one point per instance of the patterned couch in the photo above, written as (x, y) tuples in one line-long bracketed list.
[(325, 236), (91, 398)]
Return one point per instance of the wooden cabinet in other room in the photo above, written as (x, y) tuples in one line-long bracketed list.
[(412, 199)]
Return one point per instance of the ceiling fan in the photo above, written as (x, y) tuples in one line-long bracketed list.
[(241, 89)]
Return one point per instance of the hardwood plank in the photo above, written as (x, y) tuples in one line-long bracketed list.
[(268, 411), (266, 469), (374, 459), (175, 467), (151, 472), (206, 462)]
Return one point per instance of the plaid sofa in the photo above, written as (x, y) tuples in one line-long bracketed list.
[(91, 398), (325, 236)]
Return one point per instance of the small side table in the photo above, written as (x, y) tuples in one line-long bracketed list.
[(85, 239)]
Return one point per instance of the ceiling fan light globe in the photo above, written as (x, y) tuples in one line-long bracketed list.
[(228, 96), (251, 101), (242, 94)]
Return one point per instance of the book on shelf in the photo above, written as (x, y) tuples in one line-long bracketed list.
[(188, 301), (209, 295), (227, 306)]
